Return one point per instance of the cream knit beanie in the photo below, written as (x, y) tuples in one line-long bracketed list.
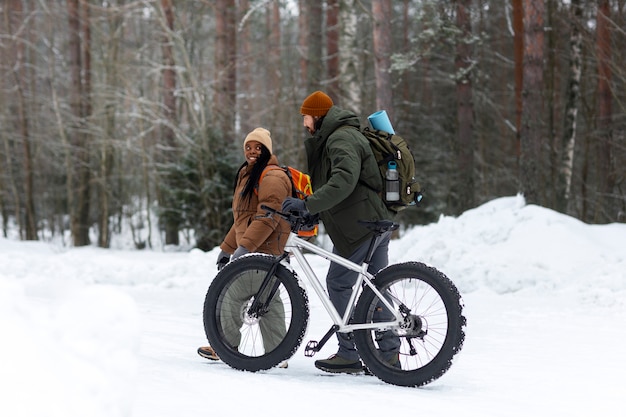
[(261, 135)]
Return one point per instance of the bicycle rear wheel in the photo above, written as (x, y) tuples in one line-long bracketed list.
[(432, 332), (248, 340)]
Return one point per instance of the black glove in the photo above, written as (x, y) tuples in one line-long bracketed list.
[(222, 259), (240, 252), (293, 205), (310, 221)]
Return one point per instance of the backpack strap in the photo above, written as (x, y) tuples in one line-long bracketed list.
[(270, 167)]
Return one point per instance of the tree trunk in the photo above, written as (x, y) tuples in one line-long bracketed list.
[(332, 48), (563, 190), (303, 43), (249, 119), (315, 65), (273, 52), (605, 172), (381, 11), (19, 75), (78, 102), (532, 152), (351, 72), (547, 191), (109, 191), (465, 108), (518, 55), (168, 138), (225, 67)]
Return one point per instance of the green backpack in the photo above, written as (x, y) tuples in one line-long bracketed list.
[(388, 147)]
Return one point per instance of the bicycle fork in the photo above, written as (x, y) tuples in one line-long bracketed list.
[(260, 305)]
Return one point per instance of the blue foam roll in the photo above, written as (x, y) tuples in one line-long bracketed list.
[(380, 121)]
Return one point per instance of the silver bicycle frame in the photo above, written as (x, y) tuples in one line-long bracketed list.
[(295, 245)]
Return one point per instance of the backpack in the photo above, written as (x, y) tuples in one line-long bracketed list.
[(300, 188), (388, 147)]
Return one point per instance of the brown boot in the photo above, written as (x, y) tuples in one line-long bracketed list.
[(208, 353)]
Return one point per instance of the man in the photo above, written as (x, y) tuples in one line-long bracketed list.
[(344, 176)]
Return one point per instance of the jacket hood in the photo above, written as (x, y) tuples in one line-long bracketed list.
[(335, 118)]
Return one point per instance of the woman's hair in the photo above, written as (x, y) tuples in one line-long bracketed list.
[(255, 174)]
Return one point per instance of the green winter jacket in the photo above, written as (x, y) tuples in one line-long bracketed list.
[(344, 175)]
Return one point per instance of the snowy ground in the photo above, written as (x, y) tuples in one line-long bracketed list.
[(92, 332)]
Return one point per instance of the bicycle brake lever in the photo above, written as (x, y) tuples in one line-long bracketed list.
[(270, 211)]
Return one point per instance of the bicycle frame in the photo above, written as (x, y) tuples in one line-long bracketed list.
[(295, 246)]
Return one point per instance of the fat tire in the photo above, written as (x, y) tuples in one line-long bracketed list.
[(296, 307), (424, 289)]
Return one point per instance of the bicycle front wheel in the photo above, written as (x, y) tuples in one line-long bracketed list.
[(421, 349), (255, 339)]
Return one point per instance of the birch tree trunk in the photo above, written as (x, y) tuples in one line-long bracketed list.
[(381, 12), (350, 67), (563, 190)]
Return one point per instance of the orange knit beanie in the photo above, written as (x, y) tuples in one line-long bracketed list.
[(317, 104)]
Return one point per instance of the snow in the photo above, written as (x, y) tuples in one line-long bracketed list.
[(93, 332)]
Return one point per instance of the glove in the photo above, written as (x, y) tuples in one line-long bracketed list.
[(292, 204), (310, 222), (239, 252), (222, 259)]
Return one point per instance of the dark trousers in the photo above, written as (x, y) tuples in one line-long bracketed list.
[(340, 281)]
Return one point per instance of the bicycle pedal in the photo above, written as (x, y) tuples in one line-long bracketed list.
[(311, 348)]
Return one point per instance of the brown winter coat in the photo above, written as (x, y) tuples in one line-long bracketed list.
[(251, 229)]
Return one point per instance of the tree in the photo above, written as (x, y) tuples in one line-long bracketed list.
[(332, 48), (303, 41), (79, 173), (171, 216), (273, 86), (606, 173), (518, 55), (564, 186), (225, 67), (531, 134), (350, 68), (15, 22), (109, 187), (465, 108), (381, 12), (315, 71), (244, 72)]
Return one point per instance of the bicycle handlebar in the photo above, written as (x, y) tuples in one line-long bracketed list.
[(296, 220), (285, 216)]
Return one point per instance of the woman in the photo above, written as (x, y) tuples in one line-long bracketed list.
[(253, 231)]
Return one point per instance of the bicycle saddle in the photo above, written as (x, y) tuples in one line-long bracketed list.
[(379, 226)]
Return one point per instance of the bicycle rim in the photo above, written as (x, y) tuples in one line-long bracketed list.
[(421, 350), (249, 340)]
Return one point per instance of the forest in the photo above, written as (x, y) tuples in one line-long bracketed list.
[(131, 113)]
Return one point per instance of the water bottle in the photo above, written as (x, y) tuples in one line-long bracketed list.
[(392, 183)]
